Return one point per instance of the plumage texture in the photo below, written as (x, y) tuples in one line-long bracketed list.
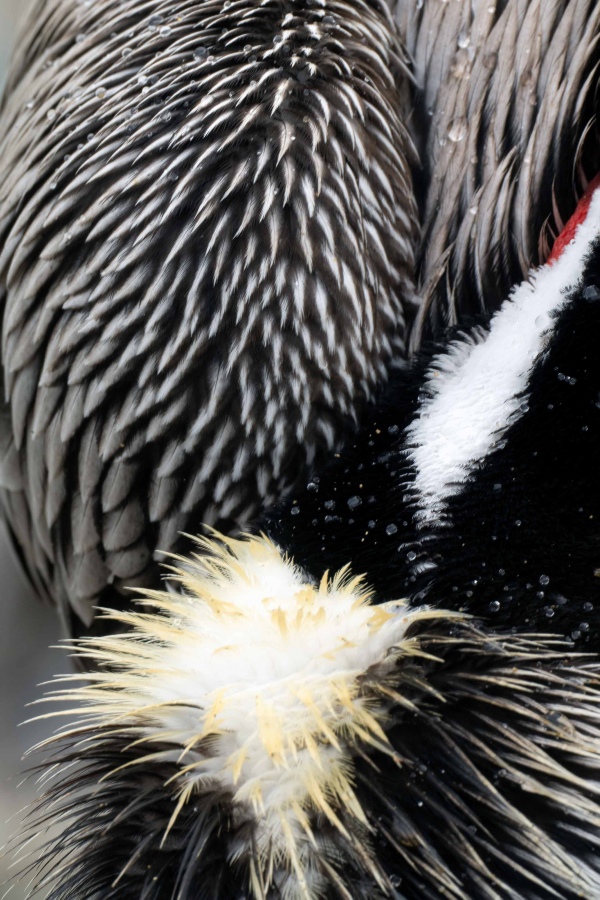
[(475, 771), (507, 131), (320, 758), (441, 761), (207, 232)]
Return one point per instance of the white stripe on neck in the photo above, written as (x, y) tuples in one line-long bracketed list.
[(474, 386)]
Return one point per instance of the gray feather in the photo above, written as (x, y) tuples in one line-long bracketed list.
[(507, 89), (208, 234)]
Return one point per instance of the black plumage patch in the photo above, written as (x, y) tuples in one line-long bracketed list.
[(519, 544), (523, 548), (119, 827), (356, 508)]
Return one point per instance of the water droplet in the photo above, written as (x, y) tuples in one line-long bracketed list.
[(588, 607), (575, 635), (567, 379), (353, 502), (463, 40), (494, 606), (542, 321), (591, 292), (295, 510), (329, 20), (79, 37), (391, 529), (497, 487), (165, 30), (154, 21), (201, 52), (518, 523), (457, 130), (51, 115), (411, 556), (329, 504), (277, 39), (548, 612), (544, 579), (584, 626), (461, 67), (395, 881), (371, 523), (311, 486)]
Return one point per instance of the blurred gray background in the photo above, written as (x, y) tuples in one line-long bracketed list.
[(27, 628)]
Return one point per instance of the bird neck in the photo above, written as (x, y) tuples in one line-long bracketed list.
[(475, 467)]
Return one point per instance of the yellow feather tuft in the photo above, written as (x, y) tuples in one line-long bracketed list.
[(261, 681)]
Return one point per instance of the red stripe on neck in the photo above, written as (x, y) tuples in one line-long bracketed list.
[(568, 232)]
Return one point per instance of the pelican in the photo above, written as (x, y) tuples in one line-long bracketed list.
[(274, 724)]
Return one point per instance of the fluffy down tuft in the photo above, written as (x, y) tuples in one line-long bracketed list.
[(260, 682)]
